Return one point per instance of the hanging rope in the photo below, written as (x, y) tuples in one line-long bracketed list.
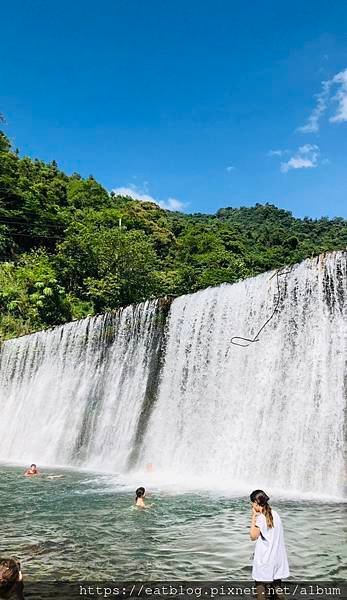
[(279, 273)]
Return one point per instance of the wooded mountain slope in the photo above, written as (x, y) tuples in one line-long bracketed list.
[(68, 248)]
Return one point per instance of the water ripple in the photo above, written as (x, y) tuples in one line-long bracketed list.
[(82, 526)]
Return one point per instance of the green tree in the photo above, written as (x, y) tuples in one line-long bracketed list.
[(68, 248), (109, 267), (31, 294)]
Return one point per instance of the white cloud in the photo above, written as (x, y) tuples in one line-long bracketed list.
[(230, 168), (143, 195), (131, 191), (172, 204), (312, 124), (306, 157), (341, 97), (339, 82), (277, 152)]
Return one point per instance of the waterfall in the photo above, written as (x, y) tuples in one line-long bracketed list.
[(73, 395), (270, 414), (166, 385)]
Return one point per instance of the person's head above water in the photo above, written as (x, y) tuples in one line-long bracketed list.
[(140, 492), (10, 576), (32, 470), (260, 504)]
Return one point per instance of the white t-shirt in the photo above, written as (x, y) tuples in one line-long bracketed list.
[(270, 557)]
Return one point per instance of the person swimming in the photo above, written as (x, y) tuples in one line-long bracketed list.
[(139, 498), (270, 563), (11, 580), (31, 471)]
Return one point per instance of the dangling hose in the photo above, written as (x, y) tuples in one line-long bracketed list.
[(277, 274)]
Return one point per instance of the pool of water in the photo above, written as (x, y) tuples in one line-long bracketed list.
[(85, 526)]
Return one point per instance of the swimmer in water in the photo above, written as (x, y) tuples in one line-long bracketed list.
[(32, 471), (139, 498), (11, 580)]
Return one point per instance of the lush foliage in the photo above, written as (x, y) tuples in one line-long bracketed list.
[(68, 248)]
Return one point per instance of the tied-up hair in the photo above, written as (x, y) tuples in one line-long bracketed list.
[(262, 499), (139, 493)]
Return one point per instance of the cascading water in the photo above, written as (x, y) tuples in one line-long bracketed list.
[(73, 395), (270, 414), (104, 394)]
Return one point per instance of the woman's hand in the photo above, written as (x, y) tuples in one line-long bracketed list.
[(254, 530)]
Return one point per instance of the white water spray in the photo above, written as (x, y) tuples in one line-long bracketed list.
[(269, 415), (73, 395)]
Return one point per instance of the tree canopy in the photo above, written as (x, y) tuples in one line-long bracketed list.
[(69, 248)]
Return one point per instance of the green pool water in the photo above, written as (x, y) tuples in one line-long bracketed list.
[(84, 526)]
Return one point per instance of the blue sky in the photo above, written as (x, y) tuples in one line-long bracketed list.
[(197, 104)]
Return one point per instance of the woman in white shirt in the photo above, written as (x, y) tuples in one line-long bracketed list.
[(270, 562)]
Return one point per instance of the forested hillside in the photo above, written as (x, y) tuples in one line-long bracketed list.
[(68, 248)]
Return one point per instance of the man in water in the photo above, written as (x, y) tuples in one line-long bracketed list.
[(32, 471), (11, 580)]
